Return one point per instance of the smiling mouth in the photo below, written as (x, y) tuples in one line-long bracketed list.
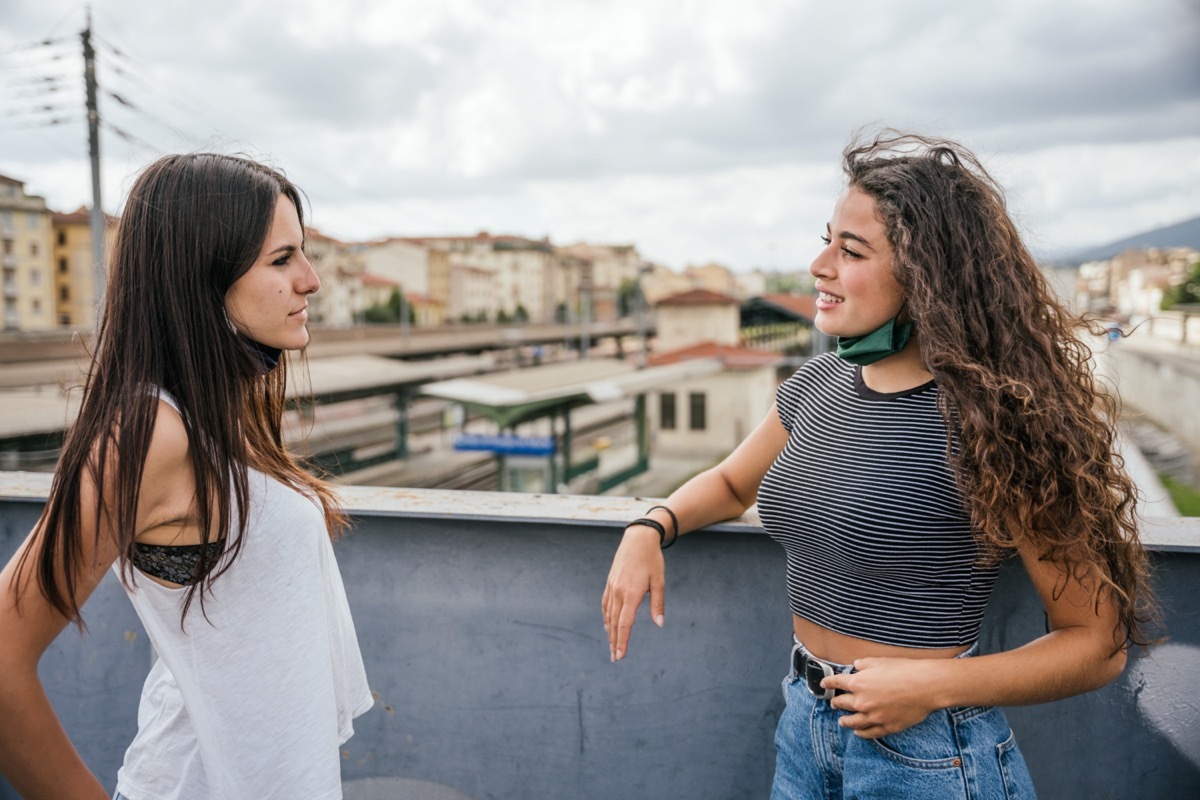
[(830, 298)]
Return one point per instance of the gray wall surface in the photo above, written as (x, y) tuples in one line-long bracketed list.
[(484, 645), (1162, 383)]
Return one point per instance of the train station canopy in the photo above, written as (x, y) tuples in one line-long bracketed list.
[(520, 395)]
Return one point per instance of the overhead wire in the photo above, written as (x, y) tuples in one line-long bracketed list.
[(129, 82), (173, 93)]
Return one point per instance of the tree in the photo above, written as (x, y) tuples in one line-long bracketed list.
[(502, 316), (627, 296), (1186, 291), (521, 315), (391, 312)]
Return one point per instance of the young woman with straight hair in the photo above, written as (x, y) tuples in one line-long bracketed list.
[(957, 423), (174, 475)]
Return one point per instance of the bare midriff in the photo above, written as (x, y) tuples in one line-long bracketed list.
[(842, 649)]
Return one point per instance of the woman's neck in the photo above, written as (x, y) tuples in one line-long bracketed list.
[(898, 373)]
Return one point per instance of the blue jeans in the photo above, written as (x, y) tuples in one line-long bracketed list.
[(960, 753)]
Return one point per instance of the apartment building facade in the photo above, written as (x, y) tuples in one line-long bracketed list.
[(74, 279), (25, 260), (339, 265)]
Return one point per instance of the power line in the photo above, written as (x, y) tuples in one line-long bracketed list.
[(132, 87), (131, 138), (131, 106), (49, 123), (23, 48)]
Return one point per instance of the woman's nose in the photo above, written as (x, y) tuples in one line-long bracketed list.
[(310, 282), (820, 264)]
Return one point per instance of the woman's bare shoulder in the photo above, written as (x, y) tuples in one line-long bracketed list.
[(168, 483)]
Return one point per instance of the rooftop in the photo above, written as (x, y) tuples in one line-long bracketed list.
[(699, 297)]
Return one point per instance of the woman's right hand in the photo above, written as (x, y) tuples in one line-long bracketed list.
[(637, 568)]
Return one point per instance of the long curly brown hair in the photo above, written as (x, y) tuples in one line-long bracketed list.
[(1032, 434)]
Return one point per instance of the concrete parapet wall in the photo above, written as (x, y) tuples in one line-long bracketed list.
[(1161, 382), (479, 620)]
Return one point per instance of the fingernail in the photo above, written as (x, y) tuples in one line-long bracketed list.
[(659, 620)]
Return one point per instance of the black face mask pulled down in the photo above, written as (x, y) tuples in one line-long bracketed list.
[(266, 357)]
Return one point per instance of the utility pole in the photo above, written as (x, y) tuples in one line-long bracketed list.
[(585, 317), (93, 116), (640, 301)]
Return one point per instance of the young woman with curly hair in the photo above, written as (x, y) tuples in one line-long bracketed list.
[(174, 475), (957, 423)]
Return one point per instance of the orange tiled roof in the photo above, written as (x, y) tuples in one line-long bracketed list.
[(732, 356), (370, 279), (803, 304), (699, 297)]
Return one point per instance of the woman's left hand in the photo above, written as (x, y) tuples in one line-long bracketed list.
[(885, 695)]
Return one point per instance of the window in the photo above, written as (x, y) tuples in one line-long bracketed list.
[(35, 277), (62, 237), (64, 293), (33, 248), (33, 220), (37, 306), (8, 247), (63, 266), (696, 421), (64, 320), (666, 411)]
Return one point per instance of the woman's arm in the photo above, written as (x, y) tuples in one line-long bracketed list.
[(35, 754), (1082, 652), (717, 494)]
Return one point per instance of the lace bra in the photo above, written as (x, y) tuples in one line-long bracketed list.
[(176, 563)]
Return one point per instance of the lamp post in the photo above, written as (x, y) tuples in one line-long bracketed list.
[(640, 308)]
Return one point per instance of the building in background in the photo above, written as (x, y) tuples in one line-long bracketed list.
[(25, 237), (339, 265), (708, 417), (74, 278), (698, 315), (604, 271)]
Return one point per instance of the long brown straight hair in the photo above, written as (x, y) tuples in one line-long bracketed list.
[(192, 225)]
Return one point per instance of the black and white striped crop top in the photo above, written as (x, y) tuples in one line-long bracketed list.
[(878, 540)]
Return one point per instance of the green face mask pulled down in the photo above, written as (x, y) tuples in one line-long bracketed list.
[(879, 343)]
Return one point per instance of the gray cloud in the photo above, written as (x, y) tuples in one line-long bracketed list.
[(476, 105)]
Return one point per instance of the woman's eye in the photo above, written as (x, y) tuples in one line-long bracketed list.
[(850, 253), (826, 240), (282, 260)]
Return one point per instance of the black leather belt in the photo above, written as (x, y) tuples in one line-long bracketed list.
[(813, 670)]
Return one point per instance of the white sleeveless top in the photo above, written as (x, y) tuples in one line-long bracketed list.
[(252, 703)]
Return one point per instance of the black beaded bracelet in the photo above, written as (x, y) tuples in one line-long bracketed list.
[(674, 521), (656, 525)]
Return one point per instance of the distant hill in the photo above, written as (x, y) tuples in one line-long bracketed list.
[(1181, 234)]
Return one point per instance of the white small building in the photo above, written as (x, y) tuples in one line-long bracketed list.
[(707, 417), (696, 316)]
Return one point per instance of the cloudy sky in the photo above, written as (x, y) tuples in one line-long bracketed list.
[(698, 130)]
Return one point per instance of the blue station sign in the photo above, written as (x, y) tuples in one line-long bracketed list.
[(506, 443)]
